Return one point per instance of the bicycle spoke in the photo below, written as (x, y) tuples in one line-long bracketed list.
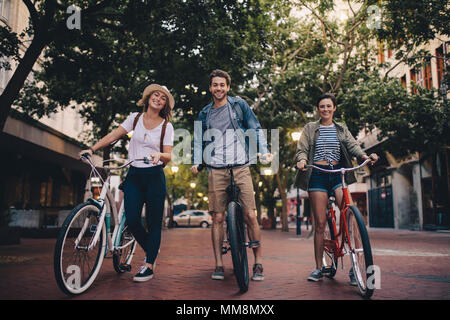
[(72, 254), (361, 254)]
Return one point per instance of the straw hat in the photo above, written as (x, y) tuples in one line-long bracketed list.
[(156, 87)]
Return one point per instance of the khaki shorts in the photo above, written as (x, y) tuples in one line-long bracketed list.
[(219, 180)]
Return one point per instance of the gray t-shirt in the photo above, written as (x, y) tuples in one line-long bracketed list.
[(227, 148)]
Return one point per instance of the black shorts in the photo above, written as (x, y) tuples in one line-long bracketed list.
[(325, 182)]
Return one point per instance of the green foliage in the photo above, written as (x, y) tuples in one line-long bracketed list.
[(414, 22), (178, 185), (411, 123), (9, 47)]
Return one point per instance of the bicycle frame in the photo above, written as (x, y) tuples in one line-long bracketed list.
[(338, 248), (118, 216), (343, 228)]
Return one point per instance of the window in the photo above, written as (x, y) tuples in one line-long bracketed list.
[(428, 82), (412, 76), (46, 193), (380, 52), (4, 78), (403, 81), (420, 79), (440, 65), (389, 53), (4, 9), (383, 180)]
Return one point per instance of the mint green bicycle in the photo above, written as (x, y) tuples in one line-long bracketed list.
[(86, 236)]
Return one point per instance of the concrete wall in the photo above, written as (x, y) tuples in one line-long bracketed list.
[(401, 192)]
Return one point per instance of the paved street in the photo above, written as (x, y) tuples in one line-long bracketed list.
[(414, 265)]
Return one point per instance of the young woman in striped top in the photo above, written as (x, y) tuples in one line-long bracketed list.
[(329, 145)]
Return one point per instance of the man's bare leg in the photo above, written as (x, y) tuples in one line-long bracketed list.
[(217, 235)]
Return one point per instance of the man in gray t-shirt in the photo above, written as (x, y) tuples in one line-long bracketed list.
[(227, 149)]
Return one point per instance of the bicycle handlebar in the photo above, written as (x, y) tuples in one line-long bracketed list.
[(86, 157), (341, 170), (229, 166)]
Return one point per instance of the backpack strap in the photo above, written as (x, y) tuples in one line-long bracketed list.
[(136, 119), (163, 133)]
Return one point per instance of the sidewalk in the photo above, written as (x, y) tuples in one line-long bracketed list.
[(414, 265)]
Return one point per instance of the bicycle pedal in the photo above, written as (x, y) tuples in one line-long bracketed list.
[(125, 267), (225, 249), (254, 244)]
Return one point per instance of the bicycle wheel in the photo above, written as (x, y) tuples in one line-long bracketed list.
[(329, 260), (237, 240), (126, 244), (75, 266), (360, 251)]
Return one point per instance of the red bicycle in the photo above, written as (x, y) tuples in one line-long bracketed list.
[(352, 238)]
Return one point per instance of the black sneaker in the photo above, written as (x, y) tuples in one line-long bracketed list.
[(316, 275), (351, 275), (218, 274), (258, 274), (144, 274)]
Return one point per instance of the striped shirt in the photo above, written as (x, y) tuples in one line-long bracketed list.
[(327, 145)]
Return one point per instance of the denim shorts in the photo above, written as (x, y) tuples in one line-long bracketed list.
[(325, 182)]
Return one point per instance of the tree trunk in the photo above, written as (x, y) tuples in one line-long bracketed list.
[(433, 186), (170, 201), (282, 189), (271, 214), (19, 77)]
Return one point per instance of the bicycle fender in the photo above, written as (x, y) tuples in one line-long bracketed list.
[(95, 203)]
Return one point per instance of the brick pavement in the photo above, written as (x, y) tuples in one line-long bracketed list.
[(414, 265)]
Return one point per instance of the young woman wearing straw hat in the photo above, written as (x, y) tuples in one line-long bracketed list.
[(145, 182)]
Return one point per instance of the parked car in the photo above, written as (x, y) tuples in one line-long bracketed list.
[(192, 218)]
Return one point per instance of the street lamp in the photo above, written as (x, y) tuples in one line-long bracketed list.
[(296, 137), (192, 185), (173, 171)]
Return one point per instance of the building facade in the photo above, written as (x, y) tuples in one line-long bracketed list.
[(411, 193), (42, 177)]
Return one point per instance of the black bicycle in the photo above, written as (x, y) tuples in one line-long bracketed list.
[(236, 236)]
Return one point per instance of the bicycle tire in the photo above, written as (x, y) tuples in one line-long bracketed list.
[(123, 256), (361, 252), (65, 253), (237, 240), (329, 260)]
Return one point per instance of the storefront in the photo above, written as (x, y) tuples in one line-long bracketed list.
[(42, 178)]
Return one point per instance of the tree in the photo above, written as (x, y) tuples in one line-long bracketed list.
[(407, 123), (103, 78), (306, 57), (406, 25), (178, 185), (104, 68), (47, 25)]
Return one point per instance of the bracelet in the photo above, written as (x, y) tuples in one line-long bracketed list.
[(90, 148)]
